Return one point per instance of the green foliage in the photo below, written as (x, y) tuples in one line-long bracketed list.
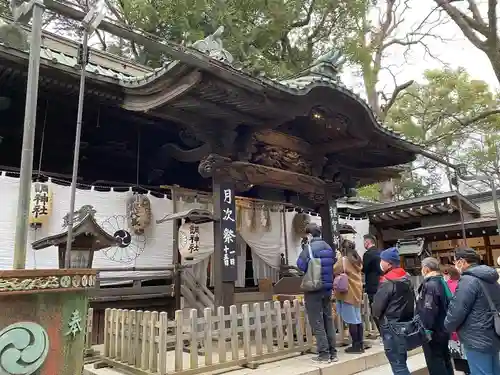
[(370, 192), (452, 115), (274, 37)]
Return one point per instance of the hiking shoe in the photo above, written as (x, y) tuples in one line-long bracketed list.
[(321, 359), (334, 358), (355, 349)]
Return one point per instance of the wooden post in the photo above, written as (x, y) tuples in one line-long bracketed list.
[(225, 268), (176, 259), (285, 234), (330, 220)]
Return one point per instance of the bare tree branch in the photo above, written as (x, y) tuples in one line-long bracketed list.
[(394, 96)]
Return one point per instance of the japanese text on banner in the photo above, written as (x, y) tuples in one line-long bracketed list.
[(228, 232)]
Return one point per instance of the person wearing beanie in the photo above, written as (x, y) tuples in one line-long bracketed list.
[(394, 303), (471, 313)]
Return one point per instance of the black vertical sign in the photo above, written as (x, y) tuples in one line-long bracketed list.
[(334, 220), (227, 232)]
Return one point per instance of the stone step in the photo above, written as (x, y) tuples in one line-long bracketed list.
[(416, 365)]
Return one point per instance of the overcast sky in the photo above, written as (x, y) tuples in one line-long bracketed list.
[(456, 51)]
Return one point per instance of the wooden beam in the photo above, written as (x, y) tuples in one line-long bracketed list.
[(337, 146)]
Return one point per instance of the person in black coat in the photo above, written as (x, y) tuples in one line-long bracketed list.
[(432, 305), (371, 269), (393, 304), (471, 316)]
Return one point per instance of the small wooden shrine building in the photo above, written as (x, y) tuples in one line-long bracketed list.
[(202, 123), (432, 226)]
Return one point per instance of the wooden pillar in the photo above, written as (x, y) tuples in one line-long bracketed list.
[(176, 257), (225, 267), (330, 221), (489, 253)]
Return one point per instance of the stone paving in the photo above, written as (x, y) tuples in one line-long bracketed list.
[(348, 364)]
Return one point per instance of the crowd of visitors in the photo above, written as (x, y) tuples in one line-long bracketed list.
[(453, 315)]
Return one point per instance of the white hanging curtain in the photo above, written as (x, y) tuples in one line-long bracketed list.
[(267, 245), (241, 253), (262, 270)]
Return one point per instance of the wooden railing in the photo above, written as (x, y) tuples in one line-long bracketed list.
[(149, 343)]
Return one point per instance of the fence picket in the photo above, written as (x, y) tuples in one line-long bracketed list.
[(193, 324), (112, 347), (233, 316), (146, 317), (138, 338), (88, 332), (221, 323), (117, 322), (153, 355), (289, 324), (207, 315), (245, 311), (299, 321), (179, 340), (107, 333), (258, 328), (123, 350), (130, 335), (279, 326), (269, 326), (162, 343)]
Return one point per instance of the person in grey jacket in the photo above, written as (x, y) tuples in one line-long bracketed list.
[(470, 315)]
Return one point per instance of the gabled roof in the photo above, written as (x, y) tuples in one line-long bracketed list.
[(86, 226), (416, 207), (478, 223)]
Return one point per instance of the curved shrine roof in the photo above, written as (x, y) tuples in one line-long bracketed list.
[(203, 89)]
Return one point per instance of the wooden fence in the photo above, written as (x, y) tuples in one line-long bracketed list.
[(149, 343), (369, 327)]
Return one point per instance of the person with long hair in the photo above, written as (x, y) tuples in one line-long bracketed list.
[(451, 275), (349, 302)]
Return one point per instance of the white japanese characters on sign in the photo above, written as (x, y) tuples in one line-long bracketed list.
[(334, 223), (228, 233)]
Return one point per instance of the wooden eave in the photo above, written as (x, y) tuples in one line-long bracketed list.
[(56, 76), (87, 225), (455, 227), (415, 208)]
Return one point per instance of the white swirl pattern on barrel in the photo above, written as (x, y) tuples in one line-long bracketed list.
[(23, 348)]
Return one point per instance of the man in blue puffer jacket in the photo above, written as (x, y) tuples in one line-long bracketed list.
[(318, 303)]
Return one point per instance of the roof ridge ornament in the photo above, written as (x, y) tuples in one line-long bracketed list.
[(212, 46), (328, 65)]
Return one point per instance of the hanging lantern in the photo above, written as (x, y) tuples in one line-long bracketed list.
[(41, 204), (189, 240), (138, 213)]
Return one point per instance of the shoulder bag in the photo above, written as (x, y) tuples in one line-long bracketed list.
[(341, 282), (311, 281), (493, 309), (413, 332)]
